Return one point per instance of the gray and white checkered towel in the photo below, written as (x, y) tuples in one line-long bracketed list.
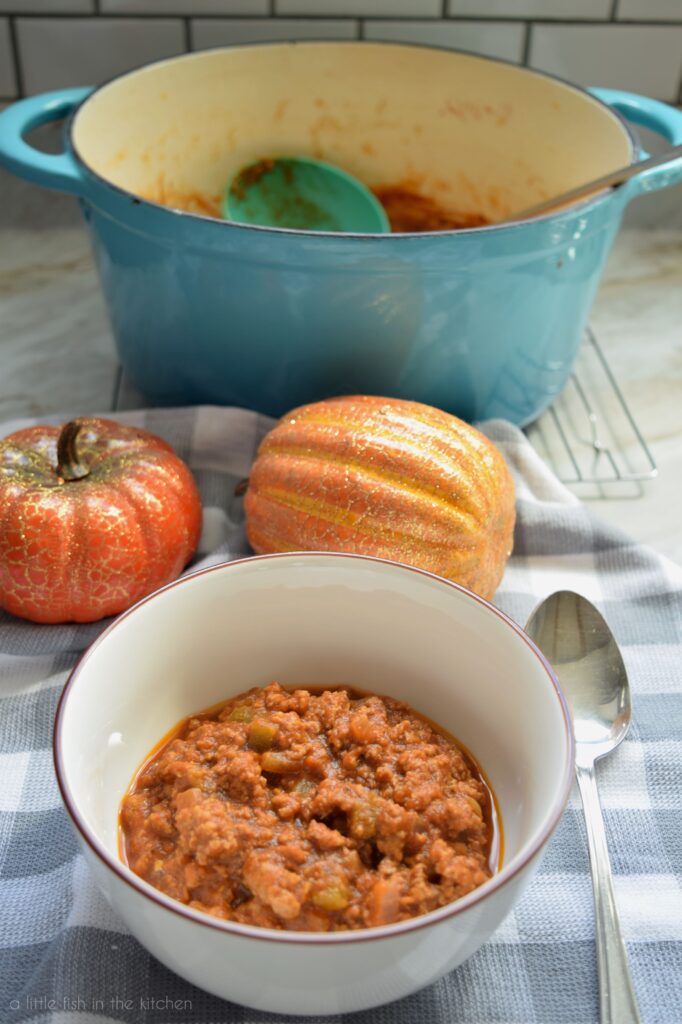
[(65, 958)]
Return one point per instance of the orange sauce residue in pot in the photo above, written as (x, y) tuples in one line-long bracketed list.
[(407, 209), (190, 202)]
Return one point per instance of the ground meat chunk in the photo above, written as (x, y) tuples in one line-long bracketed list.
[(278, 699), (459, 871), (310, 811), (394, 824), (205, 829), (325, 838), (383, 901), (160, 820), (272, 883), (455, 816)]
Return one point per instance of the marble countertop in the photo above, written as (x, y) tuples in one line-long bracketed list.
[(57, 354)]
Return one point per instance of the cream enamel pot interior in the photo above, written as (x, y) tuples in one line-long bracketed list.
[(314, 619), (381, 112), (483, 322)]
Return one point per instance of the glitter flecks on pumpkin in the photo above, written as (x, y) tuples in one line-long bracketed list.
[(93, 516)]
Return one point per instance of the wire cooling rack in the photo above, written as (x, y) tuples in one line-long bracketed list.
[(588, 436)]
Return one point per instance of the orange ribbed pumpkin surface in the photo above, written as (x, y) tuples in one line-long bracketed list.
[(93, 516), (384, 477)]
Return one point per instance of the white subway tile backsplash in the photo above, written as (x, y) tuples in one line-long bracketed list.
[(48, 6), (650, 10), (362, 8), (186, 7), (207, 32), (8, 82), (91, 40), (58, 52), (545, 9), (503, 40), (641, 58)]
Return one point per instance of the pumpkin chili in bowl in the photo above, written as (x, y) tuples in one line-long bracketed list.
[(310, 810)]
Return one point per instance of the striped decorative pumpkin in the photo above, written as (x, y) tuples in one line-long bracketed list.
[(384, 477)]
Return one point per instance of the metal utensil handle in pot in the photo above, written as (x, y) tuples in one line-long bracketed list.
[(60, 171), (651, 173), (657, 117), (605, 181)]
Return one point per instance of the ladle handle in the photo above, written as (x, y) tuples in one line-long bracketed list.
[(617, 1000)]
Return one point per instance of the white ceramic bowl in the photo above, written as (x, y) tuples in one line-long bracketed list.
[(304, 619)]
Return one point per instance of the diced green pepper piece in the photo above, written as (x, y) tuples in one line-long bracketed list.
[(195, 777), (278, 761), (262, 734), (331, 897), (241, 713)]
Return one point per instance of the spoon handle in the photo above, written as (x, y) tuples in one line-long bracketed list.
[(591, 187), (617, 1000)]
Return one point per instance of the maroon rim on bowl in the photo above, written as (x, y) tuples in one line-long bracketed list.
[(305, 938)]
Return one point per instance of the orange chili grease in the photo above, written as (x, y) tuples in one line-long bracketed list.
[(491, 809), (410, 211), (189, 202)]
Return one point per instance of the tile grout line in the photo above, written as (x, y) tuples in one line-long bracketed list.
[(116, 393), (410, 19), (359, 26), (525, 53), (16, 56)]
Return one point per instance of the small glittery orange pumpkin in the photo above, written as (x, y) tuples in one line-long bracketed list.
[(93, 516), (384, 477)]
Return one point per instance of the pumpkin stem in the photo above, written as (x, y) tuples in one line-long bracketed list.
[(242, 487), (68, 466)]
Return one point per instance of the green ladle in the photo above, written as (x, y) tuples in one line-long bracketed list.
[(303, 194)]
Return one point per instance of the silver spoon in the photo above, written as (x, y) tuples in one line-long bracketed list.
[(591, 187), (584, 654)]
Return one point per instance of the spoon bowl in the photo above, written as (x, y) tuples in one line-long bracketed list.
[(303, 194), (583, 652), (581, 648)]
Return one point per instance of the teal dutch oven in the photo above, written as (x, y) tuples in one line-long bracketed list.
[(481, 322)]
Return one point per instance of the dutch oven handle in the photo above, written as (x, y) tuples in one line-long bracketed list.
[(657, 117), (59, 171)]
